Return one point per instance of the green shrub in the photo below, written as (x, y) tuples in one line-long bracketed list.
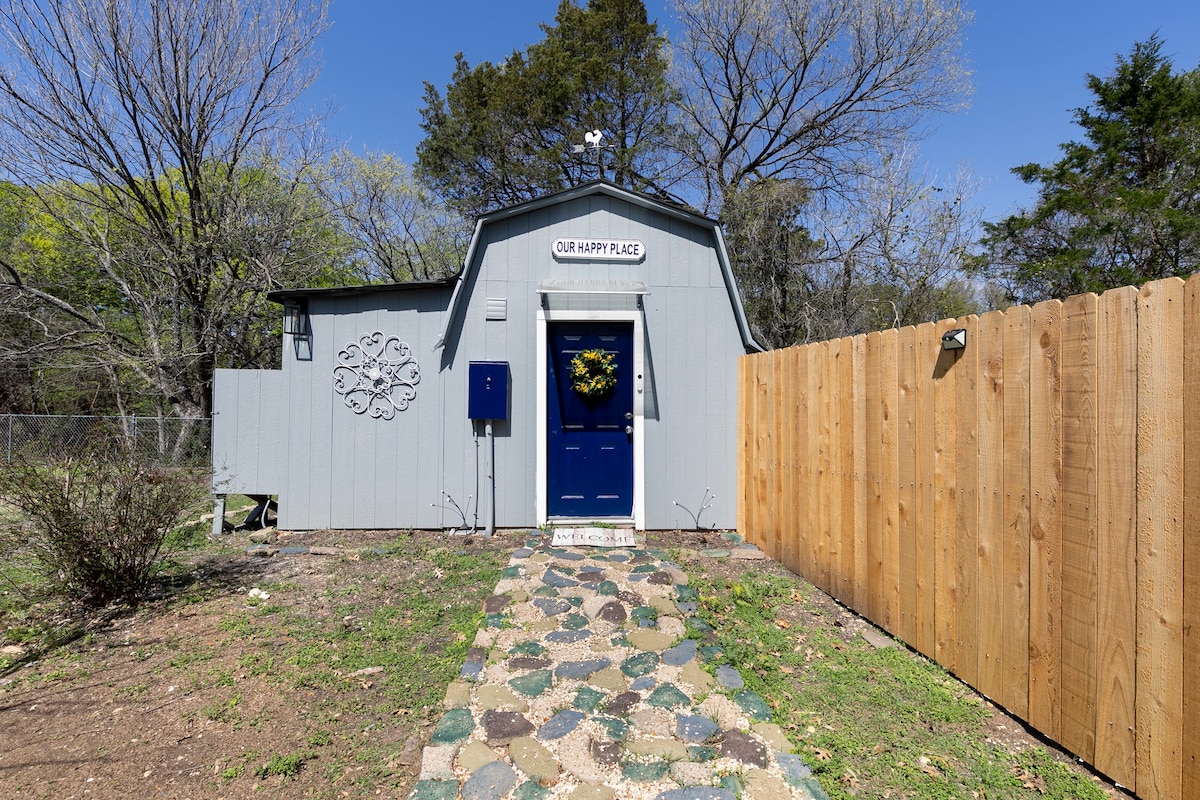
[(94, 525)]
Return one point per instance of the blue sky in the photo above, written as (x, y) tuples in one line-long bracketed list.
[(1029, 59)]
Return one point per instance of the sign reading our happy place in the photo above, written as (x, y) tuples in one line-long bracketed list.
[(599, 249)]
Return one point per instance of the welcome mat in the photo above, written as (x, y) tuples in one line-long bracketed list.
[(594, 536)]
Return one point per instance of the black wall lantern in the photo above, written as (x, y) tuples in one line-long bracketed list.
[(295, 317)]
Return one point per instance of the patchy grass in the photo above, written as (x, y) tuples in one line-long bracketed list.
[(326, 689), (872, 723)]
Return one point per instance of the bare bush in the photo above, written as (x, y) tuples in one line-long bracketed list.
[(95, 525)]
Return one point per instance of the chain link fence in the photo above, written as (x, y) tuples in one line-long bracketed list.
[(169, 441)]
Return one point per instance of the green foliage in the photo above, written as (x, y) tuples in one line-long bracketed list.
[(1121, 207), (503, 133), (285, 766), (93, 526)]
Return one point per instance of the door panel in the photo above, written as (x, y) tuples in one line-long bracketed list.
[(590, 458)]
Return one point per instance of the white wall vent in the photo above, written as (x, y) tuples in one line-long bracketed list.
[(497, 308)]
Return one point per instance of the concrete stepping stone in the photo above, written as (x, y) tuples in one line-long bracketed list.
[(458, 695), (660, 578), (560, 724), (643, 684), (545, 591), (586, 699), (556, 580), (610, 679), (534, 760), (568, 637), (475, 755), (729, 677), (644, 772), (529, 649), (501, 727), (762, 785), (522, 552), (658, 747), (640, 664), (622, 704), (437, 762), (794, 768), (605, 753), (696, 793), (495, 603), (692, 673), (490, 782), (681, 653), (773, 735), (526, 662), (695, 728), (533, 684), (664, 606), (454, 726), (551, 606), (754, 706), (612, 611), (668, 696), (631, 598), (649, 639), (574, 622), (617, 729), (743, 747), (531, 790), (580, 670), (607, 589), (592, 791), (435, 790), (715, 552)]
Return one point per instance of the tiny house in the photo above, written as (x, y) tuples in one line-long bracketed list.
[(582, 367)]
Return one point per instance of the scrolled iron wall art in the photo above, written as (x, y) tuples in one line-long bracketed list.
[(376, 375)]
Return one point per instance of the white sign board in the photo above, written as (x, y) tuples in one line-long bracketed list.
[(599, 249)]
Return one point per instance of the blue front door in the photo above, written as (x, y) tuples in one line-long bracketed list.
[(590, 441)]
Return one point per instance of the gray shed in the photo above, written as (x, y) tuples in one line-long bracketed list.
[(590, 342)]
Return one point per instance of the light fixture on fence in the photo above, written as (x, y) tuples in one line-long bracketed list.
[(955, 339), (295, 317)]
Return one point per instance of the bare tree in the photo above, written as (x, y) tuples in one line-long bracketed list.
[(398, 231), (151, 132), (810, 90)]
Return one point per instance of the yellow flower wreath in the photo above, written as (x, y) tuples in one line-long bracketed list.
[(593, 373)]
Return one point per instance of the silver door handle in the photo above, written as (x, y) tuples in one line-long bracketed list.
[(629, 429), (628, 415)]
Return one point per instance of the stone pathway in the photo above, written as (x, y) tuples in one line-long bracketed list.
[(581, 684)]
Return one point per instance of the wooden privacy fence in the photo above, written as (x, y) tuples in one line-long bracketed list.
[(1025, 511)]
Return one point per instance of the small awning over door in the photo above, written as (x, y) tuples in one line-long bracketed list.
[(583, 286)]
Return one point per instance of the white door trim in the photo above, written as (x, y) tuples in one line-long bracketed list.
[(639, 448)]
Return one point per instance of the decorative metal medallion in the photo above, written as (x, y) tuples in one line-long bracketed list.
[(376, 375)]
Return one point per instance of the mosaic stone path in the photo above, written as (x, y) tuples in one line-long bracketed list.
[(582, 684)]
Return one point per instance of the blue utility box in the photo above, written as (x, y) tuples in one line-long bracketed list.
[(487, 390)]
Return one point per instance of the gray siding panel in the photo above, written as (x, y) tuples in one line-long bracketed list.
[(248, 432), (336, 468)]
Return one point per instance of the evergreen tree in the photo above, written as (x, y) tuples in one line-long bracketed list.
[(1121, 207), (503, 134)]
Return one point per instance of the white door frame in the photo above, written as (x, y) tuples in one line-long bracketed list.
[(544, 317)]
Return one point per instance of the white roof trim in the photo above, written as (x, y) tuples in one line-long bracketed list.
[(457, 299), (580, 286)]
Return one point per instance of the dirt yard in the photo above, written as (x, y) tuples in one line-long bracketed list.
[(327, 687)]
